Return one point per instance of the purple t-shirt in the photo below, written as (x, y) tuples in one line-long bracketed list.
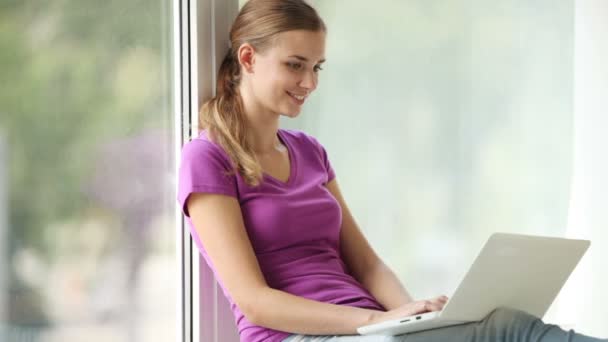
[(293, 226)]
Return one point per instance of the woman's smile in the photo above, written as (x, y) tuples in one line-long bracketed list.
[(299, 99)]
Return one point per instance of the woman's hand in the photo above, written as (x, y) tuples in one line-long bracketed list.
[(410, 309)]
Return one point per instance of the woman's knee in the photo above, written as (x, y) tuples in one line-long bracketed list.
[(507, 317)]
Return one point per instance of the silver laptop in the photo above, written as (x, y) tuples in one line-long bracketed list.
[(518, 271)]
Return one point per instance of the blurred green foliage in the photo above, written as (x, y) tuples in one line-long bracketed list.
[(73, 75)]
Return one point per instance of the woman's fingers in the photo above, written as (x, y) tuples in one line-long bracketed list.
[(423, 306), (429, 305), (442, 299), (436, 304)]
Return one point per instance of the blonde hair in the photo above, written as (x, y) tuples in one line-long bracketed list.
[(258, 23)]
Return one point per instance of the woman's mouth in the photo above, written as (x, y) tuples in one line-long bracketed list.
[(299, 99)]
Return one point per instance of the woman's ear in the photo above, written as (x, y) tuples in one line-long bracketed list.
[(246, 55)]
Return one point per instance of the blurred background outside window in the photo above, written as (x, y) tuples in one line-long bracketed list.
[(447, 121), (87, 201)]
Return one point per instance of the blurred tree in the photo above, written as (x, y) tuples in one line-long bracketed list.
[(73, 75)]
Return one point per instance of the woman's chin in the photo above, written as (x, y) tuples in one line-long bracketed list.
[(291, 113)]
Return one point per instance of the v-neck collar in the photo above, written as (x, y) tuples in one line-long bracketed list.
[(292, 163)]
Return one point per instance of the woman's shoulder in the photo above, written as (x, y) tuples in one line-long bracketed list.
[(202, 141), (201, 146), (300, 137), (311, 148)]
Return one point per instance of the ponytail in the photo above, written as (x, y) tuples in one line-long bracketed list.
[(224, 118)]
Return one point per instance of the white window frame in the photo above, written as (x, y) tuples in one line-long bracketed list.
[(181, 95), (201, 35)]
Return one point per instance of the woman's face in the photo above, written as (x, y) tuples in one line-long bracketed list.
[(287, 73)]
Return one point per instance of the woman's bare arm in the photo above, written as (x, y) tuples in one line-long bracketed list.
[(219, 224), (363, 262)]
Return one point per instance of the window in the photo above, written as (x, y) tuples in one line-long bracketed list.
[(460, 122), (483, 117), (87, 158)]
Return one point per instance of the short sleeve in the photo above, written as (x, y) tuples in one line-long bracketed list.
[(204, 168), (324, 158)]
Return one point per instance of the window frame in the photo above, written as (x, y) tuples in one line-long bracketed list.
[(201, 34)]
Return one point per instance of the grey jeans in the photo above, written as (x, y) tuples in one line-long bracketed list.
[(502, 324)]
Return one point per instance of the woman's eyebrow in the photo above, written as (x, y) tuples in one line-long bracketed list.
[(304, 59)]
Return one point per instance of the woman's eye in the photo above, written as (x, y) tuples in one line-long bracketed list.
[(295, 66), (300, 66)]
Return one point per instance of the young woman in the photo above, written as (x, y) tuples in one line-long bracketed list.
[(266, 212)]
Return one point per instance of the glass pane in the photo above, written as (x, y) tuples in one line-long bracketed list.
[(455, 124), (87, 205)]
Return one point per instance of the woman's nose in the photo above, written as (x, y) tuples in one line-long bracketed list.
[(309, 81)]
